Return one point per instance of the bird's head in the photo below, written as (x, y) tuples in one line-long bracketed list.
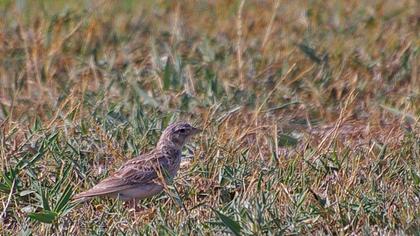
[(177, 134)]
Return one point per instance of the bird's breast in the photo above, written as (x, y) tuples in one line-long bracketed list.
[(174, 167)]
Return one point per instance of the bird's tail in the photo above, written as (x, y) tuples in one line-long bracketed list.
[(107, 187), (81, 197)]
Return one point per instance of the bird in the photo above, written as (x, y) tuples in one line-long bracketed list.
[(141, 177)]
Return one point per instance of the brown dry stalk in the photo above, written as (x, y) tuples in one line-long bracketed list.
[(239, 41), (111, 146), (332, 135), (270, 25), (3, 214)]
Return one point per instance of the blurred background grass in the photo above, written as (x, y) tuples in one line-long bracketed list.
[(310, 111)]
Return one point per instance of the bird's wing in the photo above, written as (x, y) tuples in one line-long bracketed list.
[(107, 186), (142, 169)]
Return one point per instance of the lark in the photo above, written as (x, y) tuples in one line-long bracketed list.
[(140, 178)]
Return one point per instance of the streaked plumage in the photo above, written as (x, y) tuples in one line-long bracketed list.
[(139, 178)]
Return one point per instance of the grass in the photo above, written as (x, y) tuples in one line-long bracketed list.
[(310, 111)]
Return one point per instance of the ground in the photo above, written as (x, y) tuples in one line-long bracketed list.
[(310, 111)]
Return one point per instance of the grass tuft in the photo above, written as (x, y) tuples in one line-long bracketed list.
[(310, 113)]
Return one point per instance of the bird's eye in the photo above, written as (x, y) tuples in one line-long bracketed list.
[(182, 131)]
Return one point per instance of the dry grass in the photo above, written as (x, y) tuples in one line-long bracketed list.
[(310, 111)]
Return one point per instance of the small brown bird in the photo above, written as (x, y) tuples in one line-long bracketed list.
[(138, 178)]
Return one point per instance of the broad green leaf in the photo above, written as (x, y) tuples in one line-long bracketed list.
[(229, 222), (287, 140), (44, 199), (167, 75), (64, 199), (26, 192), (4, 188), (309, 52), (43, 216), (415, 176)]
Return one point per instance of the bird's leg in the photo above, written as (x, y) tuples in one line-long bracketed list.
[(132, 204)]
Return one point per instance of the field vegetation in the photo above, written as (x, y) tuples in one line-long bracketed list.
[(310, 111)]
